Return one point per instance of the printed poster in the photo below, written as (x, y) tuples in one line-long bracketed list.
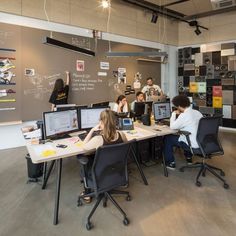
[(121, 75), (193, 87), (79, 65), (104, 65)]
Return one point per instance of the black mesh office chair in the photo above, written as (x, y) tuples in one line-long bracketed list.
[(209, 146), (109, 171)]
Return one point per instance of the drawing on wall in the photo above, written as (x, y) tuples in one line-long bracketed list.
[(38, 92), (102, 73), (121, 75), (5, 92), (29, 72), (5, 73), (137, 80), (104, 65), (79, 65)]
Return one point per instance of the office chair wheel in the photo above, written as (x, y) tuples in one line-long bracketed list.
[(222, 173), (126, 221), (79, 203), (104, 204), (128, 198), (226, 186), (181, 169), (89, 225), (198, 183), (203, 174)]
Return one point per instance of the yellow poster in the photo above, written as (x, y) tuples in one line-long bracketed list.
[(193, 87), (217, 102)]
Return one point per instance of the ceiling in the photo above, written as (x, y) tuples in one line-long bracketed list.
[(185, 10)]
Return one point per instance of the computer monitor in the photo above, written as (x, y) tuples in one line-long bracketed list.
[(57, 124), (141, 108), (161, 110), (100, 104), (64, 107), (89, 117)]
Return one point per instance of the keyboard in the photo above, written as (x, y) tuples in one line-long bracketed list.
[(83, 135)]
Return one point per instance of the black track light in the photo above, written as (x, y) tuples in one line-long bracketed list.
[(154, 18)]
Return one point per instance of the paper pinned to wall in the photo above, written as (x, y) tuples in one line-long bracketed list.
[(104, 65), (101, 73), (79, 65), (122, 75)]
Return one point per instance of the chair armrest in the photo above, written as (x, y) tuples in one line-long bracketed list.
[(83, 160), (183, 132)]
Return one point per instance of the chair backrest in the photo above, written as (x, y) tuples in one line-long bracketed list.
[(207, 136), (109, 168)]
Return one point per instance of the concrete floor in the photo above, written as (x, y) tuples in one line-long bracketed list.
[(167, 206)]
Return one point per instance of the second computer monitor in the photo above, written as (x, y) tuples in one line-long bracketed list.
[(141, 108), (100, 104), (89, 117), (161, 110)]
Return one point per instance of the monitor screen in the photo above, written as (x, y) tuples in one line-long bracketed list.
[(60, 122), (141, 108), (89, 117), (64, 107), (101, 104), (161, 110)]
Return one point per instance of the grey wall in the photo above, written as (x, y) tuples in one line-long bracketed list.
[(50, 63)]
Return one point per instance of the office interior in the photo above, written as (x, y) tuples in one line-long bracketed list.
[(193, 42)]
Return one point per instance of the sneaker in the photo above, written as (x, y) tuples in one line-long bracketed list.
[(171, 166), (189, 161)]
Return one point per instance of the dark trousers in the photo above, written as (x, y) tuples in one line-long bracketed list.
[(171, 141)]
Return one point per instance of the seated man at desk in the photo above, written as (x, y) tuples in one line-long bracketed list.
[(188, 120), (139, 98), (108, 136)]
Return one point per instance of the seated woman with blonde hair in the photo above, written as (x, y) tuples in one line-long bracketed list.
[(108, 135)]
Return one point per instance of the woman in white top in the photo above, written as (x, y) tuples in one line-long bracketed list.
[(121, 104)]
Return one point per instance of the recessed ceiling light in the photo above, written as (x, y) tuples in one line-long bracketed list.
[(106, 3)]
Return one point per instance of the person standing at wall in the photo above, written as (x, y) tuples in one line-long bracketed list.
[(60, 92), (152, 91)]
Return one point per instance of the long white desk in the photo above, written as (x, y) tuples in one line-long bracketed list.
[(42, 153)]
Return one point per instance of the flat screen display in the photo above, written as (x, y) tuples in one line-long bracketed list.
[(89, 117), (60, 122), (161, 110)]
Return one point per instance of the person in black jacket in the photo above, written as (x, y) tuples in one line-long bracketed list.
[(60, 92)]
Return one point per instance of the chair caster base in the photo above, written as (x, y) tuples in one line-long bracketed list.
[(226, 186), (198, 183), (222, 173), (89, 225), (126, 221), (128, 198), (79, 203)]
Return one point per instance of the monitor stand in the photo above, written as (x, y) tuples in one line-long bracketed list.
[(61, 136), (163, 122)]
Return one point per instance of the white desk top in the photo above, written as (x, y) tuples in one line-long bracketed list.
[(48, 152)]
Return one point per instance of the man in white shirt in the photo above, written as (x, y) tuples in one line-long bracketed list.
[(187, 120), (152, 91)]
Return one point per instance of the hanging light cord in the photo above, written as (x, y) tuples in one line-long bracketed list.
[(45, 11)]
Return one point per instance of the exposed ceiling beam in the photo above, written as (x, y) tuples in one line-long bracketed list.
[(210, 13), (156, 8), (174, 3)]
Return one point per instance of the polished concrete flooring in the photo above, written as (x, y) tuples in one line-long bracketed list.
[(167, 206)]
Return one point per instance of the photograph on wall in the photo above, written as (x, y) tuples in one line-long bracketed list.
[(29, 72), (104, 65), (121, 75), (79, 65)]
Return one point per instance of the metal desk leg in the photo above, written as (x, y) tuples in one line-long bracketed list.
[(58, 188), (46, 175), (164, 166), (139, 167)]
